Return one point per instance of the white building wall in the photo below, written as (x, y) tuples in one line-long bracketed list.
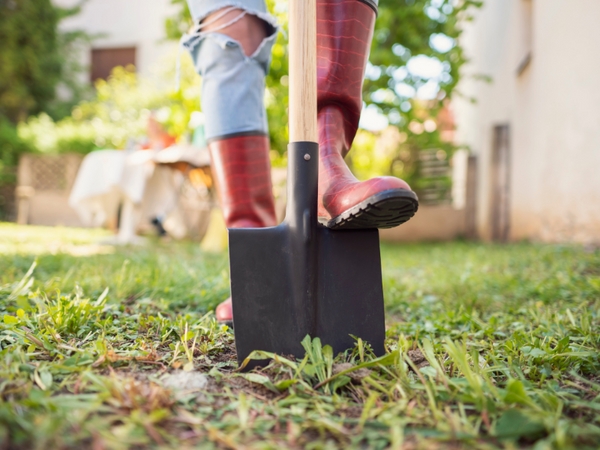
[(125, 23), (552, 107)]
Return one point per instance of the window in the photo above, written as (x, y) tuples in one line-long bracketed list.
[(106, 59)]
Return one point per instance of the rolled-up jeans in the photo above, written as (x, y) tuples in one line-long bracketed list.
[(233, 84)]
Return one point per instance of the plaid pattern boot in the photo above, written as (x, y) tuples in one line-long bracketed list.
[(344, 34)]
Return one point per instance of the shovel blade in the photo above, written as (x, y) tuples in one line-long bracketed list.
[(285, 286), (350, 289), (265, 315)]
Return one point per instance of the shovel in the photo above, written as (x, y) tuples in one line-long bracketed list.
[(301, 278)]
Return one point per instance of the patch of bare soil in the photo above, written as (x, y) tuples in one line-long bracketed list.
[(239, 384), (228, 355), (418, 358)]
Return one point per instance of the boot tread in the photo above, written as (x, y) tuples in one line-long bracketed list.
[(386, 209)]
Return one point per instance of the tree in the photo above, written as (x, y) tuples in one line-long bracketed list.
[(414, 70), (29, 59), (34, 59)]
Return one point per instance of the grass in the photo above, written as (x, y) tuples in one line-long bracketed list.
[(490, 347)]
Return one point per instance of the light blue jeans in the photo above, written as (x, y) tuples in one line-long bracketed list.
[(233, 84)]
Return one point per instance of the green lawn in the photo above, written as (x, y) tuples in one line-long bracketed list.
[(489, 347)]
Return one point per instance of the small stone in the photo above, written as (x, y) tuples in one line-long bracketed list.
[(417, 357), (186, 381)]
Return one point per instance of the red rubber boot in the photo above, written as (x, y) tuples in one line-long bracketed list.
[(242, 172), (344, 34)]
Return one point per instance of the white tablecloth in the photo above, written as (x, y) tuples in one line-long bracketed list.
[(137, 181), (104, 178), (109, 178)]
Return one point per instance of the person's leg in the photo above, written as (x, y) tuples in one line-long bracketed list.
[(231, 49), (344, 35), (249, 30)]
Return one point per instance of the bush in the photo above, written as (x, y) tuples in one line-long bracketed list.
[(65, 136), (36, 58), (118, 113), (11, 147)]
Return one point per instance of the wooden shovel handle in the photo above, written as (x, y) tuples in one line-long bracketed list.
[(303, 70)]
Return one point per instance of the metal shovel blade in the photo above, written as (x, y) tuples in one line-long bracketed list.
[(301, 278)]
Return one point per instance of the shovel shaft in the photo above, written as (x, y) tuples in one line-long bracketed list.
[(303, 70), (302, 187)]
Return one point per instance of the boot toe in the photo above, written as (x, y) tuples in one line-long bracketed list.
[(224, 311), (383, 202), (336, 201)]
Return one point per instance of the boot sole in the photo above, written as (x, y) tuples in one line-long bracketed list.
[(386, 209)]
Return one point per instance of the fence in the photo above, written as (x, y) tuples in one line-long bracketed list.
[(43, 186), (438, 219), (434, 186)]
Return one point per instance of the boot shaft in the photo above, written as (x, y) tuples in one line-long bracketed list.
[(344, 35), (242, 171)]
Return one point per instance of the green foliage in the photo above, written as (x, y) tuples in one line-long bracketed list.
[(44, 135), (11, 147), (30, 68), (407, 31), (180, 23), (276, 98), (118, 113), (408, 28), (35, 59), (489, 347)]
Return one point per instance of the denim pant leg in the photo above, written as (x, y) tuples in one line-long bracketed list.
[(233, 84), (202, 8)]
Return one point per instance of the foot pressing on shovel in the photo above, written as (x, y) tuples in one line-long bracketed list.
[(231, 49), (344, 35)]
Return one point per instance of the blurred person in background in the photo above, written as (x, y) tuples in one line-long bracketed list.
[(157, 136), (231, 46)]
